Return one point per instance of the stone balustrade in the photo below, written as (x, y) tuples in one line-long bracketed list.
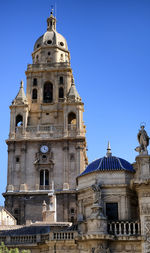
[(50, 131), (38, 238), (124, 228), (63, 236), (47, 65)]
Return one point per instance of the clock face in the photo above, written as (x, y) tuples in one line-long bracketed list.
[(44, 149)]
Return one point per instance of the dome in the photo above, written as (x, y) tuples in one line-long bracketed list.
[(108, 163), (51, 38)]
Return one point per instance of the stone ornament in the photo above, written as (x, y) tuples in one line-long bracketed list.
[(143, 140), (97, 193), (101, 249)]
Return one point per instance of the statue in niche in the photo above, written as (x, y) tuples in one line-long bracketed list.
[(97, 193), (143, 140)]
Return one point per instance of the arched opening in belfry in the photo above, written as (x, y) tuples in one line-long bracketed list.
[(19, 120), (61, 92), (72, 118), (48, 92), (34, 94)]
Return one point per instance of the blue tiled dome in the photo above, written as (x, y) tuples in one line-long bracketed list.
[(110, 163)]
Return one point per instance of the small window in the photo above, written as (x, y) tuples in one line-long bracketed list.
[(61, 80), (112, 211), (62, 44), (34, 81), (38, 45), (49, 53), (34, 94), (72, 210), (49, 42), (61, 92), (17, 159)]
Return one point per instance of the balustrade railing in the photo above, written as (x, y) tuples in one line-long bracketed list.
[(63, 236), (48, 65), (32, 239), (124, 228), (23, 239), (50, 131)]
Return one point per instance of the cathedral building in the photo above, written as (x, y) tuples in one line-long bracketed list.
[(60, 202)]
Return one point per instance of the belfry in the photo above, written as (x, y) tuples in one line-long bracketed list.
[(46, 144)]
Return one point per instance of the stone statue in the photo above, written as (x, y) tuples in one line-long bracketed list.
[(143, 140), (97, 193)]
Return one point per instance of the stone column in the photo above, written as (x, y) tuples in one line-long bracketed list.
[(142, 186), (66, 180), (23, 186)]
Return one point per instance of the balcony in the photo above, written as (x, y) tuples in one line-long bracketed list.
[(124, 228)]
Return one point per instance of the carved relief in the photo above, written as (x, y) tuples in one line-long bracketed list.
[(147, 233), (101, 249), (145, 209)]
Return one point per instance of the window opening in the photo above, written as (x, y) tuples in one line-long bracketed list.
[(71, 118), (49, 42), (44, 177), (72, 219), (19, 120), (48, 93), (112, 211), (61, 92), (61, 80), (17, 159), (35, 82), (72, 210), (34, 94)]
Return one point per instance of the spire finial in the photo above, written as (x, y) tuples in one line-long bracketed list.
[(52, 9), (21, 84), (108, 150)]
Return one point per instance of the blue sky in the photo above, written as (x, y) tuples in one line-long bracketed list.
[(109, 42)]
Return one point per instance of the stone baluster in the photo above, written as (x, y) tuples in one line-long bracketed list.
[(115, 228), (120, 229), (125, 231), (129, 228)]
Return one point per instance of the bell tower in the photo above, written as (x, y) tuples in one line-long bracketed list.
[(46, 144)]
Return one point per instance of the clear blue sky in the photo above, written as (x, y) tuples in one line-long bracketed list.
[(109, 42)]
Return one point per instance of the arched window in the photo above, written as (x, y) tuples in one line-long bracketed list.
[(71, 118), (61, 92), (44, 179), (34, 94), (19, 120), (48, 92)]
